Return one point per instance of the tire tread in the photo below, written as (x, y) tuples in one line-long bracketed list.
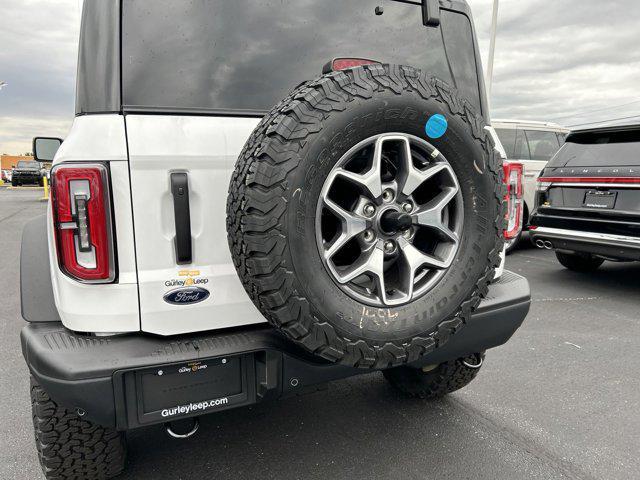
[(70, 447), (256, 207), (444, 379)]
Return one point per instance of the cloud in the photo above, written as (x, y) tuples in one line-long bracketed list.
[(38, 52), (560, 59), (554, 60), (18, 132)]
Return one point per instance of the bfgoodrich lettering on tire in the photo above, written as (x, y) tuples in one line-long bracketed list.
[(362, 236)]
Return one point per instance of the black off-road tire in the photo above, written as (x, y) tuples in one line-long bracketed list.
[(579, 262), (433, 383), (70, 447), (14, 183), (271, 205)]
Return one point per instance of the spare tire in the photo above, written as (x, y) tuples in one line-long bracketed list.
[(365, 214)]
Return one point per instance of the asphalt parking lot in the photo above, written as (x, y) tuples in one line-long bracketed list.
[(560, 400)]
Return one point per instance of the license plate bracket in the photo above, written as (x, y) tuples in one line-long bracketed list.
[(600, 199), (192, 388)]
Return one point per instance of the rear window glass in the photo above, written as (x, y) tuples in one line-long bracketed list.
[(542, 145), (594, 149), (507, 138), (521, 149), (529, 144), (31, 165), (247, 55)]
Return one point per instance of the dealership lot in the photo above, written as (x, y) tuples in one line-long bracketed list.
[(560, 400)]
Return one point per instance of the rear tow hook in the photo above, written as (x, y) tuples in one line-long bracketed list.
[(478, 361), (170, 429)]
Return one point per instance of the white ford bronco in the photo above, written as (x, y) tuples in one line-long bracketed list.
[(256, 198)]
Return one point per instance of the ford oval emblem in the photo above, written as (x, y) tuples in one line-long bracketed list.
[(185, 296)]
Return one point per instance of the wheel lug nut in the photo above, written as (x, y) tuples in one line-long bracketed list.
[(389, 246), (369, 235), (387, 195), (369, 209), (407, 207), (407, 233)]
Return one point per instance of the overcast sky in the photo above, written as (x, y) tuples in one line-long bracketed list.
[(570, 61)]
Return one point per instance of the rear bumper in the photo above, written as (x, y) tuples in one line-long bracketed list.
[(603, 244), (105, 377)]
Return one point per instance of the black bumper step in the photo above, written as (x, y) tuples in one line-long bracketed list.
[(108, 378)]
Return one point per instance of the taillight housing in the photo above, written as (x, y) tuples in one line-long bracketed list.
[(542, 183), (513, 172), (542, 191), (343, 63), (81, 204)]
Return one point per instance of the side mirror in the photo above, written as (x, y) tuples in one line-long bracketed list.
[(45, 148)]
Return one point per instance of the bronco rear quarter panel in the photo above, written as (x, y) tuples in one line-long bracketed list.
[(109, 307)]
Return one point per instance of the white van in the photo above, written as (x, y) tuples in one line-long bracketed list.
[(533, 144)]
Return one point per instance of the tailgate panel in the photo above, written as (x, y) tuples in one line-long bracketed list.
[(206, 149)]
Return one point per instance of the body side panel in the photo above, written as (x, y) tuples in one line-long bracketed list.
[(110, 307)]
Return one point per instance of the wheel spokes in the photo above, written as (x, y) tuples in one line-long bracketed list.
[(371, 262), (416, 258), (352, 225), (431, 215), (371, 180)]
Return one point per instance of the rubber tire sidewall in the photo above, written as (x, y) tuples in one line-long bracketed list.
[(583, 263), (388, 113)]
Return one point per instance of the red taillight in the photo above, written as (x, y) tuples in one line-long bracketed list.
[(82, 219), (343, 63), (513, 180)]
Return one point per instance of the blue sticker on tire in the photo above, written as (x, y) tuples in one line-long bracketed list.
[(436, 126)]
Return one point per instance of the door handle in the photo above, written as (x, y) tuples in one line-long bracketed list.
[(182, 216)]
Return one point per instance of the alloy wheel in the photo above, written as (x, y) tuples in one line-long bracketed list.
[(389, 219)]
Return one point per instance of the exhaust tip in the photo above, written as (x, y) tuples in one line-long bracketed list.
[(539, 243), (548, 245)]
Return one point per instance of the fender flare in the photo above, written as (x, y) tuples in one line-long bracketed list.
[(36, 292)]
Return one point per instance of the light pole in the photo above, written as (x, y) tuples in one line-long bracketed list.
[(492, 48)]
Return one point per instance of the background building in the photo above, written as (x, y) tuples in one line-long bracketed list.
[(8, 161)]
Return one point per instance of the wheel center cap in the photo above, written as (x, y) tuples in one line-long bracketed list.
[(392, 222)]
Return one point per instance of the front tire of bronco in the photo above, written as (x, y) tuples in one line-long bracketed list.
[(435, 382), (70, 447)]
